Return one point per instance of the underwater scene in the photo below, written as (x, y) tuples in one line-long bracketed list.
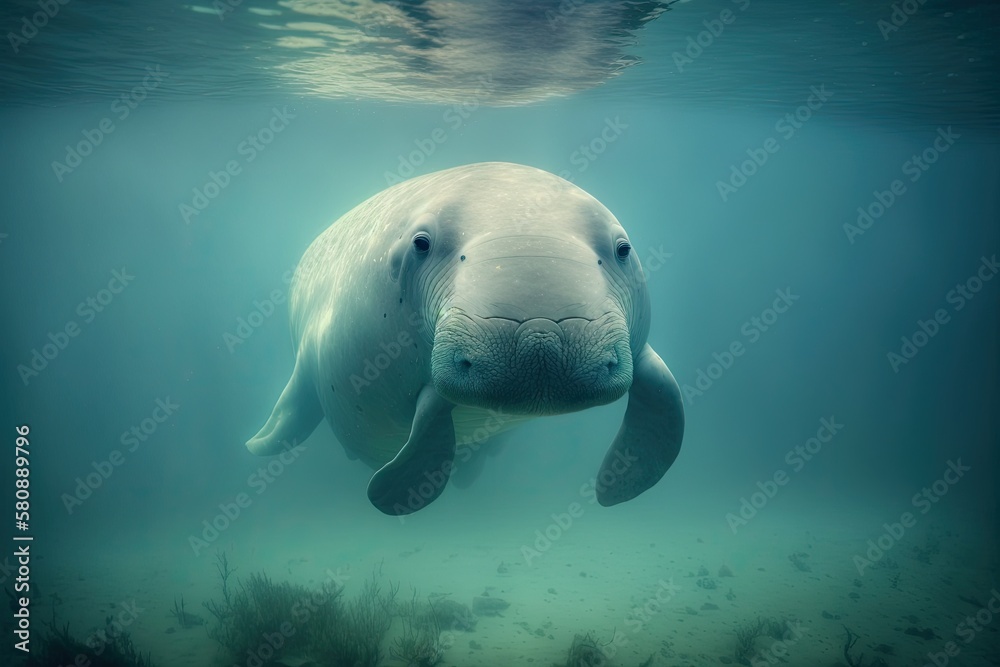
[(483, 333)]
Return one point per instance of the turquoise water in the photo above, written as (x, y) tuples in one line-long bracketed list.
[(811, 190)]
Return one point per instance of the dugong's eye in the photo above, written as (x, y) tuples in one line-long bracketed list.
[(622, 250), (421, 242)]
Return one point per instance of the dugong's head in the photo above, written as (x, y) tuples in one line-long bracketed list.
[(532, 297)]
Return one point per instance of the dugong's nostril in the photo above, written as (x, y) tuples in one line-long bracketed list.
[(611, 362)]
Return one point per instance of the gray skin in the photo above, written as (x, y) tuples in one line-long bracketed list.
[(453, 306)]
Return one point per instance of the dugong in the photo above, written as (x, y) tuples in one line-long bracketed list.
[(459, 303)]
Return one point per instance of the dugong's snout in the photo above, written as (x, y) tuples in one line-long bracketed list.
[(537, 366)]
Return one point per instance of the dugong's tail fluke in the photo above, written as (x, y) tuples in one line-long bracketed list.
[(650, 435), (421, 469), (294, 418)]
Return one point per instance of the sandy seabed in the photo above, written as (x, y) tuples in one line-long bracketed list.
[(643, 585)]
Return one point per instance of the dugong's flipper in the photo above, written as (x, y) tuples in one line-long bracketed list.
[(650, 435), (294, 418), (421, 469)]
